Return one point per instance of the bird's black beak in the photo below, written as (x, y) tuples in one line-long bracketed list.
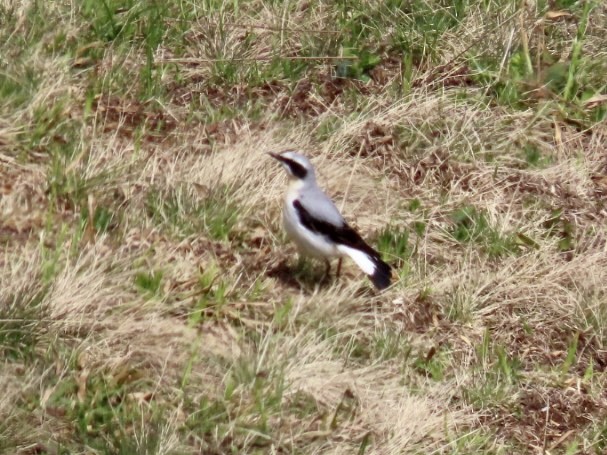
[(276, 156)]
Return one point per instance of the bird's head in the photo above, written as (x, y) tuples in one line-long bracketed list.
[(297, 166)]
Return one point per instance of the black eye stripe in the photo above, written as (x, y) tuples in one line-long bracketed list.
[(297, 169)]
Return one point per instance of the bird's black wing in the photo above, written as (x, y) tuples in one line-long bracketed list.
[(343, 235)]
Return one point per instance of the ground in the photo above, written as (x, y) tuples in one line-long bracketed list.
[(151, 303)]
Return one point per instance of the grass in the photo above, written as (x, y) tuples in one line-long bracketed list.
[(150, 303)]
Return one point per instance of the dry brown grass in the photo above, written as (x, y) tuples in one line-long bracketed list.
[(181, 325)]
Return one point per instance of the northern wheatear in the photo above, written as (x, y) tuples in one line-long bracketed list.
[(315, 225)]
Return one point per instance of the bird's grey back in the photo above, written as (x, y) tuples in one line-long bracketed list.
[(319, 205)]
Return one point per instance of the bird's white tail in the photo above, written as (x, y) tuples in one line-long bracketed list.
[(379, 272), (362, 259)]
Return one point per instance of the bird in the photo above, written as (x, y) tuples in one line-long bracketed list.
[(315, 225)]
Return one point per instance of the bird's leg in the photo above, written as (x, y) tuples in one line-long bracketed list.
[(337, 273), (327, 270)]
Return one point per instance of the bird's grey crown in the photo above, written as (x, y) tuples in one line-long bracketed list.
[(298, 158)]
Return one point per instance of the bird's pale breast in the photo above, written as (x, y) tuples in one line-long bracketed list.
[(308, 242)]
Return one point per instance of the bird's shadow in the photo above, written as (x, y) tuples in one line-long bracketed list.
[(303, 275), (308, 276)]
